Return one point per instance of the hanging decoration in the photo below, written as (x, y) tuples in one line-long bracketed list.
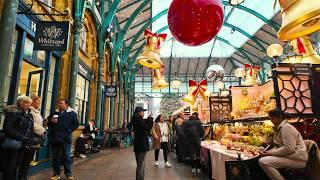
[(195, 22), (251, 75), (215, 73), (304, 49), (299, 18), (194, 90), (150, 56), (158, 80)]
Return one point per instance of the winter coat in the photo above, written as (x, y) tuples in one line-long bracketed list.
[(141, 129), (288, 143), (38, 122), (17, 123), (156, 136), (62, 130), (193, 130)]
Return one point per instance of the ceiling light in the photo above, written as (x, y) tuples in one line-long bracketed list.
[(235, 2), (274, 50)]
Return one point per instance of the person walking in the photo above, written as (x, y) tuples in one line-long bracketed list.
[(171, 136), (161, 140), (18, 126), (141, 130), (61, 125), (194, 132), (180, 137), (39, 136)]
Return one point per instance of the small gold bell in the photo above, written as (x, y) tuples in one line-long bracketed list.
[(158, 80)]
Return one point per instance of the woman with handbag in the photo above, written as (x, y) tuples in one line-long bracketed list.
[(38, 136), (18, 142)]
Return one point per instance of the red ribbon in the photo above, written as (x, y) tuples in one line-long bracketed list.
[(301, 48), (201, 86), (248, 66), (150, 34)]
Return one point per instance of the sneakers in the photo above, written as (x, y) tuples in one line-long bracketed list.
[(198, 170), (193, 170), (70, 178), (55, 177), (168, 164), (156, 163), (82, 156)]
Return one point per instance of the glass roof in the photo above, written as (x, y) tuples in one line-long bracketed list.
[(238, 18)]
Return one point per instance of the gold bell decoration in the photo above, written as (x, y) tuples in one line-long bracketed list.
[(195, 89), (159, 81), (251, 75), (299, 18), (304, 49), (150, 56)]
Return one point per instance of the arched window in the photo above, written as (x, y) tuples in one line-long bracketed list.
[(83, 39)]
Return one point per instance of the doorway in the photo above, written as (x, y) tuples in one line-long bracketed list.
[(31, 80)]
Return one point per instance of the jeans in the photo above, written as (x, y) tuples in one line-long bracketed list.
[(140, 159), (61, 151)]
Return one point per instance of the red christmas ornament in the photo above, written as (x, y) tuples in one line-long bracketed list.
[(195, 22)]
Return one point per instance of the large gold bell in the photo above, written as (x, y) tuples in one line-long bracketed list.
[(158, 80), (150, 59), (299, 18), (308, 56)]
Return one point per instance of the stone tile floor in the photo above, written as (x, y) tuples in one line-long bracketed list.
[(114, 164)]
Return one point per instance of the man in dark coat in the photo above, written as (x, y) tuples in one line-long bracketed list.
[(141, 129), (194, 132), (61, 125)]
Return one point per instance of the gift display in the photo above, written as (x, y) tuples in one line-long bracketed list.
[(252, 102)]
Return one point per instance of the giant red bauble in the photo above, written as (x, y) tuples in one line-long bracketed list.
[(195, 22)]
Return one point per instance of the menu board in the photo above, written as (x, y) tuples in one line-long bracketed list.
[(252, 101)]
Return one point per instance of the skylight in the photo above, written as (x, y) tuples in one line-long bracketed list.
[(238, 18)]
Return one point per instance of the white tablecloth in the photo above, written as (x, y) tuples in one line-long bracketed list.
[(219, 155)]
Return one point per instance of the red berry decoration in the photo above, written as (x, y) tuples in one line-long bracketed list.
[(195, 22)]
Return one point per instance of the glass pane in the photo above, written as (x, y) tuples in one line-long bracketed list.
[(28, 48), (48, 104), (53, 64), (87, 90), (23, 81), (34, 84), (41, 56)]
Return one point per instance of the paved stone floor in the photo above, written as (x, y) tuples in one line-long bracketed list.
[(114, 164)]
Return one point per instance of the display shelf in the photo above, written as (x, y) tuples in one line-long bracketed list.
[(248, 120)]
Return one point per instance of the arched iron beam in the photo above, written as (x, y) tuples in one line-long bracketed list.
[(120, 39), (133, 41), (111, 13), (254, 39), (274, 25)]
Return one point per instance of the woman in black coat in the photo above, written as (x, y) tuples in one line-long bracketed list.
[(141, 129), (194, 132), (18, 125)]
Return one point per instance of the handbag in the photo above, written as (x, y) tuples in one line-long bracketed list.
[(11, 144)]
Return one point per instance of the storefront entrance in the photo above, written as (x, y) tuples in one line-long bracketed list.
[(31, 80)]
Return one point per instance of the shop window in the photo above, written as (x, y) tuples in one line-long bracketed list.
[(28, 48), (47, 2), (83, 39), (82, 98), (31, 80), (41, 57)]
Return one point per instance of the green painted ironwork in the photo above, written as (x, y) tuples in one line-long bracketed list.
[(133, 42), (274, 25)]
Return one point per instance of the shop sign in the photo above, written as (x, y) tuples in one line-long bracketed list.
[(111, 90), (51, 36)]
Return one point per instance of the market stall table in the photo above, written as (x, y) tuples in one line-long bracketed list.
[(219, 155)]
